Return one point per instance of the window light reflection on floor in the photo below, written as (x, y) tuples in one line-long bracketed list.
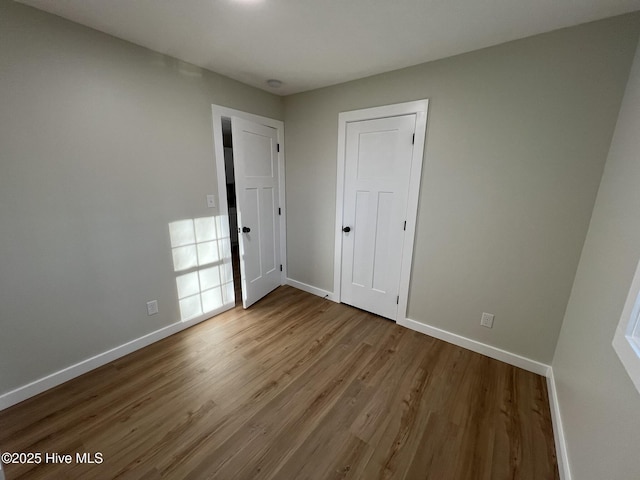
[(201, 250)]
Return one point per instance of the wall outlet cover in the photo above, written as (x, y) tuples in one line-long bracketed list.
[(487, 320), (152, 307)]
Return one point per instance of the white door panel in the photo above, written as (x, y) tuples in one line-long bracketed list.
[(378, 160), (256, 174), (268, 248), (249, 216)]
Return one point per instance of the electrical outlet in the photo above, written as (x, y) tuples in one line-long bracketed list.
[(152, 307), (211, 201), (487, 320)]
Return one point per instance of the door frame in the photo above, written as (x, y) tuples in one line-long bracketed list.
[(420, 109), (218, 111)]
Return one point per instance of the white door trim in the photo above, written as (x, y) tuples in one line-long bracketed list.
[(218, 112), (420, 108)]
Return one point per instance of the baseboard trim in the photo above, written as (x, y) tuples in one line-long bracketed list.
[(558, 429), (478, 347), (53, 380), (311, 289)]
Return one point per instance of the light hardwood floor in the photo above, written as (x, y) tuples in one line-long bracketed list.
[(295, 387)]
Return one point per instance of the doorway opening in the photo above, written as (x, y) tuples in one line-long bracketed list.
[(227, 142)]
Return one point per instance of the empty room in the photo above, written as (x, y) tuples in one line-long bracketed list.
[(278, 239)]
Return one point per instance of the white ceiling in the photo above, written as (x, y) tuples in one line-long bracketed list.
[(314, 43)]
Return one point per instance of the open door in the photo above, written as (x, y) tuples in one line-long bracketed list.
[(255, 158)]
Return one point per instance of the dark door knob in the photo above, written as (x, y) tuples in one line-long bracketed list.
[(246, 229), (346, 229)]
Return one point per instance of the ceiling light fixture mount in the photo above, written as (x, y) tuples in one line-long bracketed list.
[(274, 83)]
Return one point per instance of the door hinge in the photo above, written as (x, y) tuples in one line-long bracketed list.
[(280, 267), (398, 300), (278, 147), (405, 226), (414, 138), (279, 211)]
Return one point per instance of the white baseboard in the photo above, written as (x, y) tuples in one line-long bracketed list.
[(38, 386), (558, 430), (478, 347), (311, 289)]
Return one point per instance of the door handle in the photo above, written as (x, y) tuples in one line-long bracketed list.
[(346, 229), (246, 229)]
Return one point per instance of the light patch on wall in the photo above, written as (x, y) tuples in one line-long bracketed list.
[(201, 251)]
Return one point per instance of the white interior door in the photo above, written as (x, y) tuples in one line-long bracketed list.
[(378, 159), (256, 176)]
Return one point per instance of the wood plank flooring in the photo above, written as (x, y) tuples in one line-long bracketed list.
[(295, 387)]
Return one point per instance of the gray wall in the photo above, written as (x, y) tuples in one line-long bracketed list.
[(517, 139), (598, 403), (102, 144)]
